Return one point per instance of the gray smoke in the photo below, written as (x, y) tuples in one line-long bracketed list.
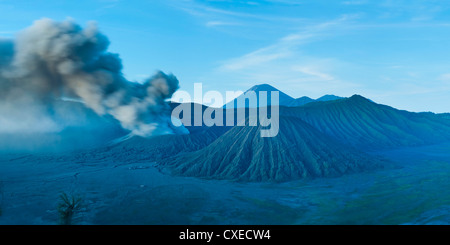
[(52, 60)]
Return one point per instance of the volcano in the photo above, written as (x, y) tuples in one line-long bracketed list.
[(284, 99), (299, 151)]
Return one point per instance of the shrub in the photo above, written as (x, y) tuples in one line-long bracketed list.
[(68, 207)]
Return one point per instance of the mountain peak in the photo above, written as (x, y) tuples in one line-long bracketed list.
[(358, 97), (284, 99), (263, 87), (304, 98)]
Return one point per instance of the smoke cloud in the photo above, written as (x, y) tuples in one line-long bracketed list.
[(51, 60)]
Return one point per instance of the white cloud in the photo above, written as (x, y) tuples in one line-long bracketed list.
[(258, 57), (445, 77), (313, 71), (355, 2), (285, 64), (209, 14), (220, 23), (285, 47)]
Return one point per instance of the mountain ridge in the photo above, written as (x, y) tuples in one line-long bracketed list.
[(284, 99), (360, 122)]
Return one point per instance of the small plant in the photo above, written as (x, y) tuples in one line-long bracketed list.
[(68, 207)]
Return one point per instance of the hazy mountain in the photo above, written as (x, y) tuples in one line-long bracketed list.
[(306, 100), (320, 139), (300, 101), (138, 149), (360, 122), (298, 151), (284, 99), (329, 97)]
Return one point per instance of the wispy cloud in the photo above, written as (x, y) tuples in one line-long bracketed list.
[(220, 23), (211, 14), (445, 79), (355, 2), (285, 47), (255, 58), (298, 50), (285, 64), (287, 2), (109, 3), (313, 71), (7, 32)]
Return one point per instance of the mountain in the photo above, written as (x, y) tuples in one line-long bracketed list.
[(138, 149), (300, 101), (319, 139), (135, 149), (359, 122), (284, 99), (299, 151), (329, 97), (445, 115), (306, 100)]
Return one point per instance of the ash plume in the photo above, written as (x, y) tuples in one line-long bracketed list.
[(51, 60)]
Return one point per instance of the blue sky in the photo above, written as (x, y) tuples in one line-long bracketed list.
[(394, 52)]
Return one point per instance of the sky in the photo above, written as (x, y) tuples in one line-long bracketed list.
[(393, 52)]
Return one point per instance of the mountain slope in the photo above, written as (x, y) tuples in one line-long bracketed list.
[(360, 122), (135, 149), (162, 146), (129, 148), (297, 152)]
